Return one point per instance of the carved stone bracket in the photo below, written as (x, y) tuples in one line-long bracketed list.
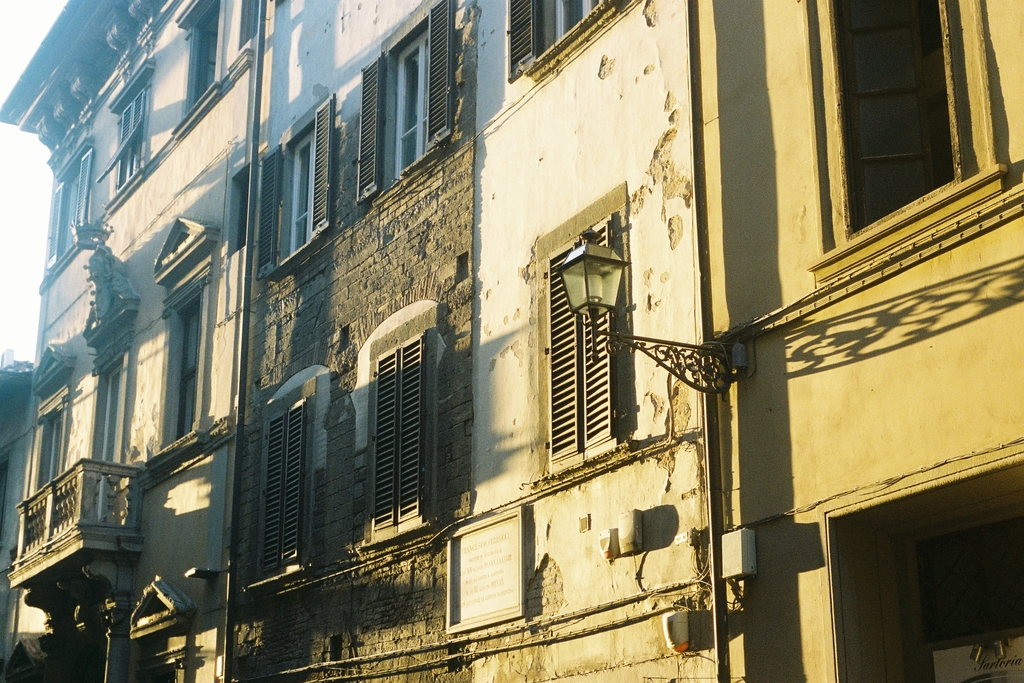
[(114, 303)]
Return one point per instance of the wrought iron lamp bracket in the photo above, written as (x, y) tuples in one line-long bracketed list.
[(705, 367)]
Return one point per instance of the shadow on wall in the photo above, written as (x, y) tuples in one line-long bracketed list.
[(905, 319), (770, 618)]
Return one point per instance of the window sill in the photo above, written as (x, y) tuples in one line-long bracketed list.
[(122, 194), (409, 533), (198, 111), (922, 222), (564, 49), (184, 452), (283, 578), (289, 263), (424, 167)]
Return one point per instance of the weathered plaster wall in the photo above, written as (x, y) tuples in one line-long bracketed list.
[(614, 118)]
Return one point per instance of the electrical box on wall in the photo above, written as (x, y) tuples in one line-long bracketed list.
[(739, 554), (631, 532), (676, 627), (609, 543)]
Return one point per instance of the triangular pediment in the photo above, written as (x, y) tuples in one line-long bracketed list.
[(162, 607), (55, 368), (187, 244), (26, 662)]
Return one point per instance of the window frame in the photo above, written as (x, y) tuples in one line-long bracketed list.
[(277, 185), (380, 163), (301, 153), (856, 220), (128, 159), (400, 521), (537, 30), (70, 205), (189, 328), (419, 44), (202, 74), (310, 390), (109, 446), (50, 454)]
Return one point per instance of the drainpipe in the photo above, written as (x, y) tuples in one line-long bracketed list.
[(710, 402), (241, 390)]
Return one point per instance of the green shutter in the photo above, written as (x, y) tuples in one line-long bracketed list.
[(322, 136), (520, 35), (266, 255), (291, 504), (439, 74), (386, 441), (371, 133), (273, 493), (84, 184)]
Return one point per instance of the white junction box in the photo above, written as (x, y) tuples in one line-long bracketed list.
[(739, 554)]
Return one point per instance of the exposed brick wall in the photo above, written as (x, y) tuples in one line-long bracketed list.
[(319, 308)]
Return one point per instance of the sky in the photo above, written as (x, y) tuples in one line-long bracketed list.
[(25, 185)]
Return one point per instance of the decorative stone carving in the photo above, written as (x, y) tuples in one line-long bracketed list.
[(65, 112), (121, 31), (50, 132), (162, 608), (54, 371), (113, 292), (84, 83), (89, 236), (142, 10)]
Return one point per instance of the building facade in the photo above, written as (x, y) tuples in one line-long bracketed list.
[(866, 231), (124, 518), (442, 472)]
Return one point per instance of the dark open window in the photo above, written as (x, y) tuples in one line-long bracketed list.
[(190, 318), (248, 25), (203, 57), (70, 206), (51, 446), (896, 104), (398, 449), (129, 153)]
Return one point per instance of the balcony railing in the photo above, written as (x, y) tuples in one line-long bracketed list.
[(95, 496)]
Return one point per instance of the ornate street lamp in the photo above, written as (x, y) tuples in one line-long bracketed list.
[(592, 274)]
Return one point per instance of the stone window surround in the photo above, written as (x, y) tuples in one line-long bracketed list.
[(413, 321)]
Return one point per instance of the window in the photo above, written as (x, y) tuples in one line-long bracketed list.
[(128, 157), (51, 446), (203, 54), (580, 377), (420, 70), (412, 122), (70, 206), (398, 446), (295, 451), (109, 409), (282, 516), (239, 210), (897, 104), (535, 25), (248, 25), (306, 163), (190, 326), (299, 230)]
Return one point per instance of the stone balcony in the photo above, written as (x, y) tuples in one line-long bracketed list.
[(89, 512)]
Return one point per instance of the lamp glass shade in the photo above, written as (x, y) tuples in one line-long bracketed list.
[(591, 275)]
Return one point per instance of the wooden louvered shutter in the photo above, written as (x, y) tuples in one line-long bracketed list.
[(55, 221), (273, 493), (581, 406), (371, 134), (399, 436), (84, 184), (270, 168), (439, 75), (520, 36), (282, 516), (322, 147), (386, 441), (291, 504), (411, 408)]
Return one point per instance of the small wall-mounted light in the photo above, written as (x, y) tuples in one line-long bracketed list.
[(608, 542), (205, 574)]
